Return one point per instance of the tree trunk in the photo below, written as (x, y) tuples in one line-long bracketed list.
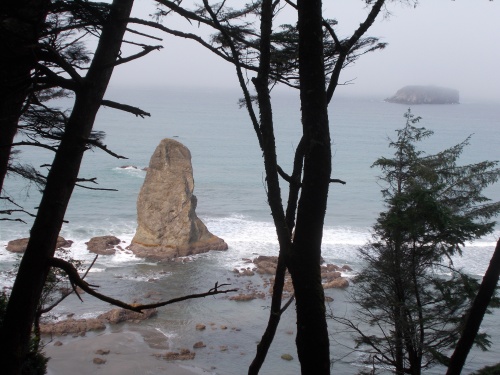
[(20, 24), (478, 309), (268, 144), (304, 263), (61, 180)]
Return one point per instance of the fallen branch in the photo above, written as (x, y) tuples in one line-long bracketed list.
[(76, 280)]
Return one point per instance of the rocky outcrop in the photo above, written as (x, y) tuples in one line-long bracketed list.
[(425, 95), (119, 315), (103, 245), (331, 277), (167, 223), (81, 326), (72, 326), (19, 245)]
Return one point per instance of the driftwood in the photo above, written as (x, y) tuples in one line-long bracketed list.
[(76, 280)]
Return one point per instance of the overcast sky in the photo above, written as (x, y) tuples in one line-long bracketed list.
[(440, 42)]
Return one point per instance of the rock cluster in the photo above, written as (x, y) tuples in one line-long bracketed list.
[(425, 95), (331, 276), (80, 326), (167, 223)]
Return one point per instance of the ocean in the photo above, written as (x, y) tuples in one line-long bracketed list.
[(229, 184)]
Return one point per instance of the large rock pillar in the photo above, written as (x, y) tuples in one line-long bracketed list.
[(167, 223)]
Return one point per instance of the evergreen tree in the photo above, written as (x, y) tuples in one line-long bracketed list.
[(410, 294)]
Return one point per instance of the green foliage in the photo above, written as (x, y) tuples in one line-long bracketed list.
[(489, 370), (36, 362), (412, 299), (239, 28)]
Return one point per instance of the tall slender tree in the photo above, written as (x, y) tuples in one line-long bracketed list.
[(410, 312), (307, 56), (21, 23), (61, 180)]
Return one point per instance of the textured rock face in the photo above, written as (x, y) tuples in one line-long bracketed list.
[(103, 245), (19, 245), (167, 223), (425, 95)]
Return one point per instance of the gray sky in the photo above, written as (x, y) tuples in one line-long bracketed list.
[(440, 42)]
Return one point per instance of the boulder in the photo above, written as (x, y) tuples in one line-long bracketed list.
[(340, 283), (200, 327), (167, 223), (103, 245), (181, 355), (99, 361), (243, 297), (425, 95), (19, 245), (119, 315), (266, 264)]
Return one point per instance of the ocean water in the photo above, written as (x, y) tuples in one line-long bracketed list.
[(229, 184)]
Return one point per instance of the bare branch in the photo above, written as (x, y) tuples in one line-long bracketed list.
[(66, 294), (194, 37), (238, 65), (50, 55), (290, 180), (36, 144), (215, 290), (344, 51), (337, 181), (56, 80), (143, 34), (76, 280), (92, 188), (103, 147), (8, 199), (287, 304), (11, 211), (125, 107), (146, 50), (184, 13)]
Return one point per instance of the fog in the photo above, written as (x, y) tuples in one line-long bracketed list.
[(439, 42)]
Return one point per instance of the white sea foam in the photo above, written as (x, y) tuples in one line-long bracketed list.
[(248, 238), (169, 335), (132, 171)]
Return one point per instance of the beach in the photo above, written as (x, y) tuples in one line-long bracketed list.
[(123, 352)]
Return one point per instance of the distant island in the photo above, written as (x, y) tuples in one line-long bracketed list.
[(425, 95)]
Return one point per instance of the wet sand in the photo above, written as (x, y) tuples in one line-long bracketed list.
[(129, 354)]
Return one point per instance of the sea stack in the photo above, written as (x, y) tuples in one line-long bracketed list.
[(167, 223), (425, 95)]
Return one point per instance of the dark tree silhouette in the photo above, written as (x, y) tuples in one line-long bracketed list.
[(21, 23), (300, 56), (61, 180), (479, 308), (409, 315)]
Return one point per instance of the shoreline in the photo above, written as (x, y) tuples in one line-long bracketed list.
[(123, 352)]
